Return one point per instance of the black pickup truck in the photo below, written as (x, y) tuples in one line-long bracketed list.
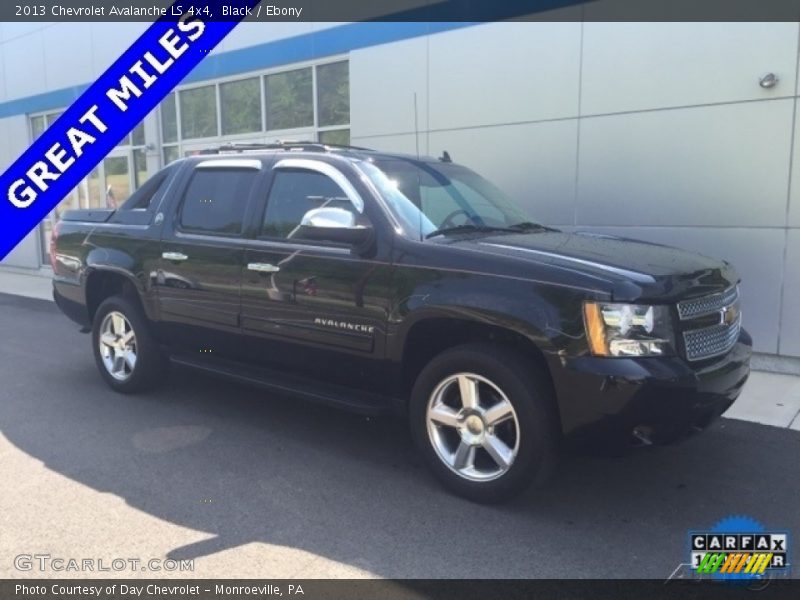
[(389, 283)]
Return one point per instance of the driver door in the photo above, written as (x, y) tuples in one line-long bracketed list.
[(312, 306)]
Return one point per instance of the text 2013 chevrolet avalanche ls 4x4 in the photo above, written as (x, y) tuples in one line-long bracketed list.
[(380, 282)]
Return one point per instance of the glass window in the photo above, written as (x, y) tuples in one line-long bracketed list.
[(118, 182), (340, 137), (333, 94), (139, 167), (198, 112), (142, 197), (240, 103), (53, 117), (37, 126), (293, 194), (169, 119), (215, 200), (171, 153), (137, 135), (290, 100)]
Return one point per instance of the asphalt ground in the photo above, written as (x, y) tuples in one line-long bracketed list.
[(253, 485)]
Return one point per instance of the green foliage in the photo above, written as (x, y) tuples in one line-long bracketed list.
[(290, 101)]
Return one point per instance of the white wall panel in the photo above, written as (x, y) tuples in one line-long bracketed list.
[(64, 69), (383, 80), (253, 33), (722, 165), (26, 253), (636, 66), (533, 163), (794, 196), (790, 315), (24, 66), (504, 73), (757, 255), (109, 41)]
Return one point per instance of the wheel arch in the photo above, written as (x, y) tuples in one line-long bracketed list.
[(432, 334), (104, 282)]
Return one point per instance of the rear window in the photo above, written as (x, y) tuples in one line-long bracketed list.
[(216, 199), (142, 198)]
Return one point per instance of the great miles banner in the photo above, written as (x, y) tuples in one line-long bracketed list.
[(108, 110)]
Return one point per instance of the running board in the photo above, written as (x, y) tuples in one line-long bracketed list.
[(342, 397)]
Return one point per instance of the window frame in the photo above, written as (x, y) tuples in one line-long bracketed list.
[(264, 135), (234, 166), (318, 167)]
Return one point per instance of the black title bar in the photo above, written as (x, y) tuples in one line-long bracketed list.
[(405, 10)]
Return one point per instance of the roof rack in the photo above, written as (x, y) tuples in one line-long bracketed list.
[(292, 145)]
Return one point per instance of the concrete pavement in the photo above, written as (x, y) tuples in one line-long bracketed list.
[(251, 485)]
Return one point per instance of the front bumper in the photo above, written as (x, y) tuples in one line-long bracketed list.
[(626, 401)]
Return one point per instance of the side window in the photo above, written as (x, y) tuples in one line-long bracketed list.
[(215, 201), (141, 198), (293, 194)]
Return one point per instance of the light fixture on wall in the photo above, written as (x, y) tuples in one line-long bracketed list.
[(770, 80)]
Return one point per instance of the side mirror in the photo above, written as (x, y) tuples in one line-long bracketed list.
[(330, 224)]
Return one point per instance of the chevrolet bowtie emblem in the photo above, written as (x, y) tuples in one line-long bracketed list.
[(729, 314)]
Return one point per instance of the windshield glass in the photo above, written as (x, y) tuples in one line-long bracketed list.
[(436, 197)]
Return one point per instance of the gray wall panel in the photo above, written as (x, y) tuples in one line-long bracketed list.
[(724, 165), (504, 73), (385, 79), (790, 315), (637, 66), (533, 163)]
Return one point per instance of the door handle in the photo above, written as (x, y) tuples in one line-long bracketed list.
[(263, 267), (174, 256)]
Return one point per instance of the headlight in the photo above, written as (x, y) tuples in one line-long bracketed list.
[(628, 329)]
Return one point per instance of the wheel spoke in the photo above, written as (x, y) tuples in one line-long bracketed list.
[(118, 324), (127, 337), (444, 415), (130, 359), (108, 339), (468, 389), (119, 363), (464, 456), (498, 450), (498, 413)]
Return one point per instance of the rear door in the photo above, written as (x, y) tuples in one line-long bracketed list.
[(200, 271)]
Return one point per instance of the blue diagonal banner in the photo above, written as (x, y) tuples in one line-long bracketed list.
[(106, 112)]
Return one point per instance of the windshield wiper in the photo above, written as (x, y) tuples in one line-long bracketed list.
[(466, 227)]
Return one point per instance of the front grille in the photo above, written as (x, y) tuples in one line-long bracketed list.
[(698, 307), (711, 341)]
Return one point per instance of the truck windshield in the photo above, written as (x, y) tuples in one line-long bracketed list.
[(442, 198)]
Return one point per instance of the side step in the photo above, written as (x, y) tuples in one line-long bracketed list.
[(342, 397)]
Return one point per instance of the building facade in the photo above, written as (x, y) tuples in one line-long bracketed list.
[(666, 132)]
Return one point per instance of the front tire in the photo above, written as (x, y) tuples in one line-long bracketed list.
[(484, 420), (126, 353)]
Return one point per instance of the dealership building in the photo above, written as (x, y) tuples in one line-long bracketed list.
[(676, 133)]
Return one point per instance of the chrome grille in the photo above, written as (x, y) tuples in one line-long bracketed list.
[(711, 341), (706, 305)]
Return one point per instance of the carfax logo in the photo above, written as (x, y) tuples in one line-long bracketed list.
[(739, 548)]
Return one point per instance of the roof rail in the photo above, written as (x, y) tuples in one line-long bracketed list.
[(298, 145)]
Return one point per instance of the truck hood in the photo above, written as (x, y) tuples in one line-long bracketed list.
[(631, 269)]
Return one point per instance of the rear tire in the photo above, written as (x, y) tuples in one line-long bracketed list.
[(492, 447), (126, 353)]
